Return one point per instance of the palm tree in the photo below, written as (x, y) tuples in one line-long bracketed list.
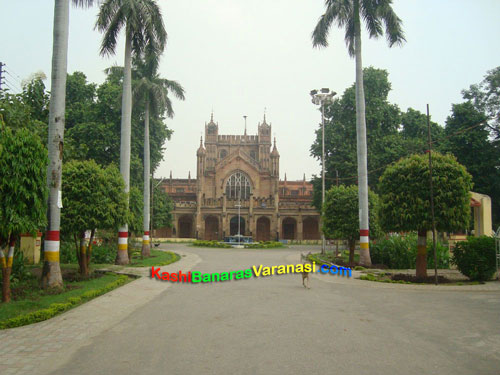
[(144, 26), (347, 14), (51, 270), (153, 91)]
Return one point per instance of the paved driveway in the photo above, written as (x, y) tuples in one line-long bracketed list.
[(272, 325)]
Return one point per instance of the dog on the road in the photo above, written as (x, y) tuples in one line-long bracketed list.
[(305, 275)]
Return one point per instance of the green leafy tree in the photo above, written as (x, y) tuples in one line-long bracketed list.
[(405, 198), (80, 100), (23, 192), (341, 215), (468, 138), (93, 198), (386, 143), (486, 99), (414, 128), (35, 96), (348, 14), (17, 114), (163, 207), (135, 211), (143, 26)]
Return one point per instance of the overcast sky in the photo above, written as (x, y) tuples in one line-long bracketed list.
[(238, 57)]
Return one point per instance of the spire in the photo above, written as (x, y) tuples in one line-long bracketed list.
[(285, 178), (170, 175), (304, 179), (275, 150), (245, 117), (189, 176), (212, 116), (201, 150)]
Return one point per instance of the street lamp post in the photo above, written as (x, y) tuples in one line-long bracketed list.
[(153, 186), (321, 98)]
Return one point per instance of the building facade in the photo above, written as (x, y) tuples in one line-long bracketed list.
[(240, 174)]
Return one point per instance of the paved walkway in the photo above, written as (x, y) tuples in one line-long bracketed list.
[(267, 325), (36, 348)]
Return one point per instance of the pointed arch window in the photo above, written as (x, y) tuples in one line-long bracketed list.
[(238, 184)]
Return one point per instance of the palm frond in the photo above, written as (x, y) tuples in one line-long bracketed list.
[(336, 10), (393, 24), (349, 36), (368, 10), (85, 3), (174, 87), (110, 20)]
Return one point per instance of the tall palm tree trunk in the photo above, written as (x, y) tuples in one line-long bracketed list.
[(146, 248), (364, 255), (51, 276), (122, 254)]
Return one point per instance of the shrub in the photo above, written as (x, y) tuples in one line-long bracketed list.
[(264, 245), (395, 252), (68, 252), (475, 258), (104, 254), (399, 252), (211, 244)]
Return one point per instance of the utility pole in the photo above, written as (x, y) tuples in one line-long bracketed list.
[(1, 74), (432, 197)]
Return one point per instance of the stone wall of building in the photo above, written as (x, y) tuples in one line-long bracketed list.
[(240, 174)]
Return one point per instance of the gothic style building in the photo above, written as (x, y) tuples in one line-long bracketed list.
[(240, 170)]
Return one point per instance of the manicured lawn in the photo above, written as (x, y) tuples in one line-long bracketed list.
[(29, 298), (157, 258)]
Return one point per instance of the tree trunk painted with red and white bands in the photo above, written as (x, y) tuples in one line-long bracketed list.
[(6, 263), (421, 270), (51, 276), (146, 247), (122, 254), (364, 251)]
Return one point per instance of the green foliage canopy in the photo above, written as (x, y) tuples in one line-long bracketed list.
[(405, 194), (23, 183), (391, 134), (341, 213), (162, 208), (93, 197)]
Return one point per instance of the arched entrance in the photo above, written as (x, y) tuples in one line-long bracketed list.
[(310, 229), (289, 228), (233, 226), (211, 228), (263, 229), (185, 225)]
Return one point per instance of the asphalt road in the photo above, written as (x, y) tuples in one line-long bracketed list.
[(272, 325)]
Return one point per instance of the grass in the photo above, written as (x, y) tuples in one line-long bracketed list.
[(31, 304), (157, 258), (36, 299)]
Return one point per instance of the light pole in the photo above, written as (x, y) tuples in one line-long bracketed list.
[(321, 98), (153, 186)]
